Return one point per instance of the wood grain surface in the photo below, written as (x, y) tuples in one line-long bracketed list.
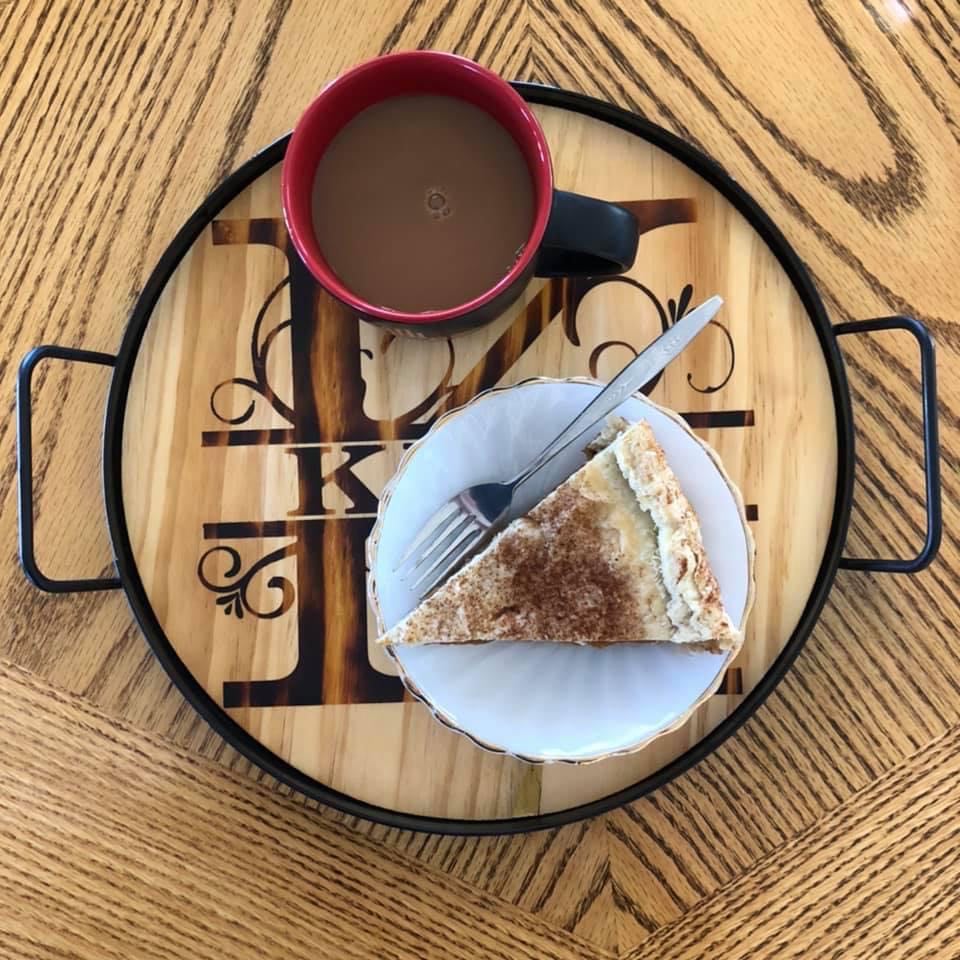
[(825, 827)]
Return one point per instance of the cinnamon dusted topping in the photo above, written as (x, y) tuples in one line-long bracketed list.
[(540, 569)]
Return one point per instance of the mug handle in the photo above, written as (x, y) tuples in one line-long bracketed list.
[(587, 237)]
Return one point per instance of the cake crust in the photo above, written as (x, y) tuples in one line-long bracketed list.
[(695, 607)]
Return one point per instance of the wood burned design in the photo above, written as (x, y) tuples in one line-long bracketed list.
[(233, 597), (259, 353), (674, 311), (326, 416)]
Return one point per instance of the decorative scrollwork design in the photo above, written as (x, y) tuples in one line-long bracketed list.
[(601, 348), (733, 361), (678, 308), (582, 286), (259, 382), (233, 591), (668, 316)]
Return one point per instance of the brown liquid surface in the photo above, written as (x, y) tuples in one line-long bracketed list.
[(422, 203)]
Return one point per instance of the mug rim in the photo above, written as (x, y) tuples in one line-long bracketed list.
[(302, 234)]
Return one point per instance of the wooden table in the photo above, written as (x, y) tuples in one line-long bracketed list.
[(827, 826)]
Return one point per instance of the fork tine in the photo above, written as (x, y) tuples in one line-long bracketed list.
[(438, 573), (447, 555), (438, 535), (437, 549), (448, 511)]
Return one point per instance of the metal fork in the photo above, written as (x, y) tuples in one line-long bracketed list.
[(466, 522)]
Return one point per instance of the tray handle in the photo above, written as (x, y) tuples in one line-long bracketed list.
[(931, 444), (25, 468)]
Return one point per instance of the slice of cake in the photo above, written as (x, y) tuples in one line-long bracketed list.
[(613, 555)]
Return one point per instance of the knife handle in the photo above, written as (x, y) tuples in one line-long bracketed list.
[(647, 364)]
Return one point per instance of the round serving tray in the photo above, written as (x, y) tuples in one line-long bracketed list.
[(252, 424)]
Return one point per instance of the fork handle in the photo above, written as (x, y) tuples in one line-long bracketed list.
[(628, 381)]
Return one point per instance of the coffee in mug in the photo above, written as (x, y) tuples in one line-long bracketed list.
[(421, 203), (417, 189)]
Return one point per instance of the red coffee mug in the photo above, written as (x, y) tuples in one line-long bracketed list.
[(571, 234)]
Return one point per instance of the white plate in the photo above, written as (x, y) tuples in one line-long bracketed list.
[(541, 701)]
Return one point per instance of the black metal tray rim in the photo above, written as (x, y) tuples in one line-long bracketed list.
[(129, 580)]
